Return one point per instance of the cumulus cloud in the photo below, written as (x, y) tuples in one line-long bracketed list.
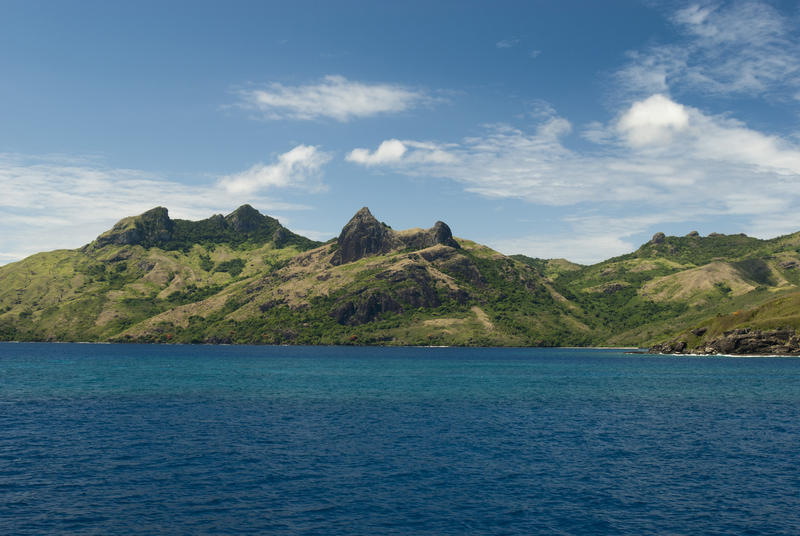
[(744, 48), (653, 120), (83, 197), (659, 161), (296, 169), (389, 151), (334, 97)]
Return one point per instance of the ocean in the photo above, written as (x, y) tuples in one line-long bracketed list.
[(162, 439)]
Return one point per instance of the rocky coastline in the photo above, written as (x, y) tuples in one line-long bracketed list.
[(743, 341)]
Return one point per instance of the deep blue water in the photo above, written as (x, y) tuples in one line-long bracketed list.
[(118, 439)]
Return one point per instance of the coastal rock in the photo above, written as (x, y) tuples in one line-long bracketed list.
[(743, 341), (673, 347)]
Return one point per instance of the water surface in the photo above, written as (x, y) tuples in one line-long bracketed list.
[(118, 439)]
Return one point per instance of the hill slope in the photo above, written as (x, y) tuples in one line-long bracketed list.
[(244, 278)]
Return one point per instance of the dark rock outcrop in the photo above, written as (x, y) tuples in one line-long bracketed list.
[(411, 287), (658, 238), (742, 341), (364, 236), (150, 228), (154, 228), (613, 288), (366, 309), (438, 234), (693, 234), (245, 219)]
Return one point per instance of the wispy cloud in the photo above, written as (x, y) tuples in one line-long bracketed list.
[(299, 168), (737, 48), (659, 161), (334, 97), (507, 43), (82, 197)]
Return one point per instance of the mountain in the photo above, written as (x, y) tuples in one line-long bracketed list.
[(672, 285), (244, 278)]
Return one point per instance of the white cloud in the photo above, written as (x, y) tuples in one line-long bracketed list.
[(82, 198), (389, 151), (746, 48), (394, 152), (335, 97), (659, 161), (653, 121), (296, 169)]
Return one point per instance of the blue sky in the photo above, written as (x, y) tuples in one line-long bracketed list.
[(553, 129)]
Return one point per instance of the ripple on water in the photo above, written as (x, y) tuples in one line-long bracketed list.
[(188, 440)]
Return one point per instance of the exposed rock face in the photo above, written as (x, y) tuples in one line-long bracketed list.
[(658, 238), (245, 219), (411, 287), (154, 228), (365, 310), (364, 236), (741, 342), (151, 227), (613, 288), (693, 234), (438, 234)]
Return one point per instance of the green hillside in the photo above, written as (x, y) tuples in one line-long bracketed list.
[(244, 278)]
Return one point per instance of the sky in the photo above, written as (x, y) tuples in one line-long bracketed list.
[(552, 129)]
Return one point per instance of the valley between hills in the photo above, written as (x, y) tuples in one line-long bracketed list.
[(246, 279)]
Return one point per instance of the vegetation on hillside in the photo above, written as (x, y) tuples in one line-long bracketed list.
[(243, 278)]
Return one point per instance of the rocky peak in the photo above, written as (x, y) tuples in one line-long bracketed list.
[(146, 229), (245, 219), (658, 238), (443, 235), (154, 228), (362, 236), (420, 239)]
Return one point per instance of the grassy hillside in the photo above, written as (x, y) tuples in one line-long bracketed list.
[(672, 283), (433, 296), (778, 313), (244, 278)]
